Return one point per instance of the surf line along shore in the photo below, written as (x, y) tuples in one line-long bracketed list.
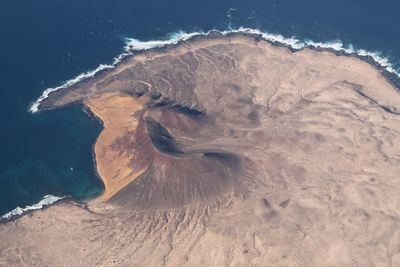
[(295, 44), (244, 150)]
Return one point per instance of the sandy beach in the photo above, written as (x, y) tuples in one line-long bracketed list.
[(229, 151)]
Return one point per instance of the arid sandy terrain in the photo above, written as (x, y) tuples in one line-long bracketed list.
[(230, 151), (116, 112)]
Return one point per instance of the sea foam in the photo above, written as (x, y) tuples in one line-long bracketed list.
[(46, 200), (174, 38), (133, 45), (35, 106)]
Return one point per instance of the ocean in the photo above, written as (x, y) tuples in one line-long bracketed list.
[(48, 154)]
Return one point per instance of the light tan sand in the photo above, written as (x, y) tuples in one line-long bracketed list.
[(247, 155), (116, 111)]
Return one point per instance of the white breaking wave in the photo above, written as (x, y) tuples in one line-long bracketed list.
[(47, 200), (334, 45), (35, 106), (174, 38)]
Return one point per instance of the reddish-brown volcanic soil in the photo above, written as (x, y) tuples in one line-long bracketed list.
[(230, 151), (114, 164)]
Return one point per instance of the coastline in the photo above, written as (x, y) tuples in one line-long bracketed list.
[(63, 199), (93, 153), (391, 77), (19, 212), (106, 163), (240, 139), (292, 44)]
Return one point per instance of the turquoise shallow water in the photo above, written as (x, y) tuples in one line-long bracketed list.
[(59, 160), (45, 42)]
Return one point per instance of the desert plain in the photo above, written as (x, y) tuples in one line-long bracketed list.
[(229, 151)]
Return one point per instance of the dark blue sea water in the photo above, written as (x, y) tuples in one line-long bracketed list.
[(43, 43)]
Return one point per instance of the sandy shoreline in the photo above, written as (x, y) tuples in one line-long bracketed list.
[(103, 162), (243, 150), (393, 78)]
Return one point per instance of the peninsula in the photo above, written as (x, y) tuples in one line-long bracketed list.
[(228, 150)]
